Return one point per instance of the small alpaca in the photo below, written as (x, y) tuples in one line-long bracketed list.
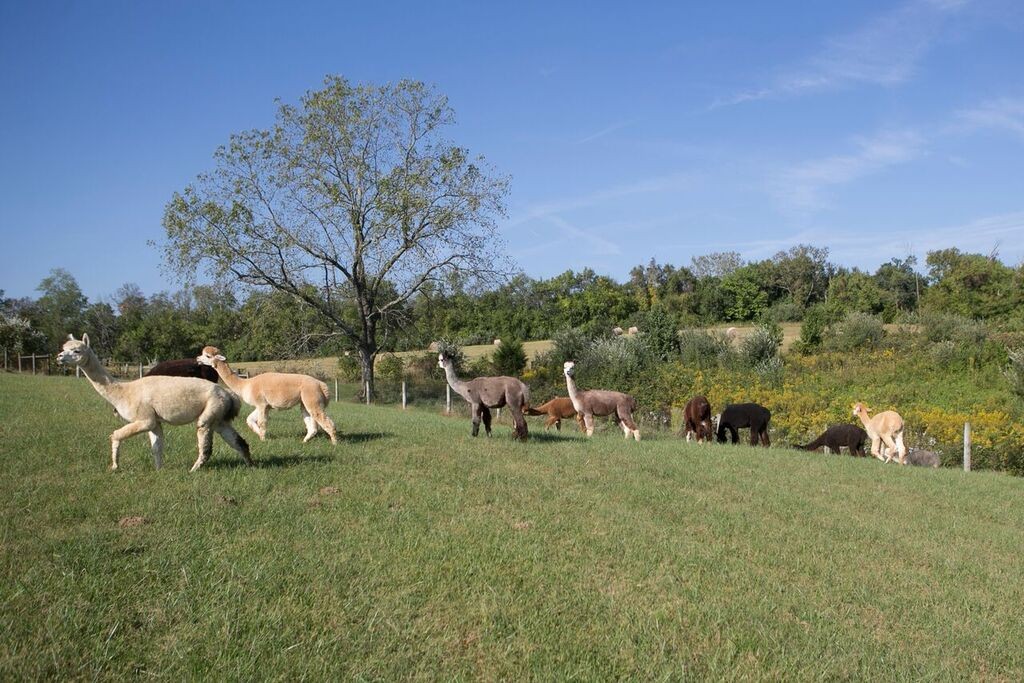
[(884, 428), (922, 458), (484, 393), (150, 402), (837, 436), (557, 409), (185, 367), (697, 416), (742, 415), (600, 402), (276, 390)]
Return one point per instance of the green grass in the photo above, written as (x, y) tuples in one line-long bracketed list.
[(441, 556)]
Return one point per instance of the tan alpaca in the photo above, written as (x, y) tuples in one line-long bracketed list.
[(600, 402), (278, 390), (885, 428), (148, 403)]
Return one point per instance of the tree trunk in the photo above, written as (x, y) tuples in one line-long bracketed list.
[(366, 359)]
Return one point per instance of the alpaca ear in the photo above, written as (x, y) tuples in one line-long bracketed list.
[(219, 357), (71, 337), (85, 339)]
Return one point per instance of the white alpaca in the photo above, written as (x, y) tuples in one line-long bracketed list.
[(148, 403), (278, 390)]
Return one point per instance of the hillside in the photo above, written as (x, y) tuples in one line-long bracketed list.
[(412, 550)]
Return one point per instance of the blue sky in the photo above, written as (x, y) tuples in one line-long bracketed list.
[(630, 130)]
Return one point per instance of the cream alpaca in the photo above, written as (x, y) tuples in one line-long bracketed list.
[(148, 403), (277, 390), (885, 427), (601, 402)]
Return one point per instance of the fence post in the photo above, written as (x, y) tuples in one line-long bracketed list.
[(78, 371), (367, 393), (447, 399), (33, 363), (5, 360), (967, 446), (335, 388), (403, 394), (140, 370), (499, 414)]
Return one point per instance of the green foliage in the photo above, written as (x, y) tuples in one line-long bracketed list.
[(59, 309), (17, 335), (391, 367), (509, 358), (659, 333), (762, 346), (570, 343), (349, 369), (856, 331), (972, 285), (812, 329), (453, 349), (857, 292), (744, 295), (704, 349), (1014, 372)]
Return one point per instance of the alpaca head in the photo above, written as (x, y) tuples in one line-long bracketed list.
[(209, 355), (74, 352), (859, 408), (443, 360), (569, 368)]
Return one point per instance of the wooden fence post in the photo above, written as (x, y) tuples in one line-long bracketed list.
[(447, 399), (403, 394), (140, 370), (967, 446), (367, 393), (5, 360), (335, 388), (33, 363)]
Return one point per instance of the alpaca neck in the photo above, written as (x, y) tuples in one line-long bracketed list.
[(230, 379), (574, 394), (101, 380), (863, 415), (453, 381)]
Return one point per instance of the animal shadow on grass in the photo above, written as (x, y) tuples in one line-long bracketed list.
[(298, 458)]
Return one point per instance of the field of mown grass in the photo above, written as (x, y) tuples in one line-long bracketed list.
[(411, 550)]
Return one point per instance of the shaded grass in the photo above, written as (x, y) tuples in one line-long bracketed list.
[(444, 556)]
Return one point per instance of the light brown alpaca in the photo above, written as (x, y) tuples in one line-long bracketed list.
[(484, 393), (885, 428), (557, 409), (150, 402), (276, 390), (600, 402)]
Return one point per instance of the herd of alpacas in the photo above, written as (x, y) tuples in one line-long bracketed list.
[(188, 391)]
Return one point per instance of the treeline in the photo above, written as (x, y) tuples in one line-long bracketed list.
[(800, 284)]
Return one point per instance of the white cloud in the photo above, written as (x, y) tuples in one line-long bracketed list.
[(886, 52), (1004, 114), (800, 187)]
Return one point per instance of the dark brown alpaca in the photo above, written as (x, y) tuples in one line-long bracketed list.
[(837, 436), (697, 415), (557, 409), (743, 415), (184, 367)]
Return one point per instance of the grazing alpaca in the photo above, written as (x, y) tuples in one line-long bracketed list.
[(150, 402), (556, 409), (741, 416), (484, 393), (185, 367), (922, 458), (697, 415), (837, 436), (884, 428), (277, 390), (600, 402)]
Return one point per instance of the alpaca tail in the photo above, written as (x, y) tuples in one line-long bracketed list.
[(234, 408), (325, 392), (817, 443), (533, 411)]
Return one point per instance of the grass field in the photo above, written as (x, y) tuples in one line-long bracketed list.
[(411, 550)]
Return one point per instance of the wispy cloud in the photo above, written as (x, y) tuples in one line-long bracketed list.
[(1005, 114), (665, 183), (608, 130), (800, 187), (885, 52)]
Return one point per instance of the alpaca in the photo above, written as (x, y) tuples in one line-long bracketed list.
[(884, 428), (277, 390), (922, 458), (742, 415), (185, 367), (150, 402), (837, 436), (556, 409), (697, 416), (484, 393), (600, 402)]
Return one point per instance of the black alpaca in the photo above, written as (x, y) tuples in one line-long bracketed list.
[(186, 367), (836, 436), (742, 416)]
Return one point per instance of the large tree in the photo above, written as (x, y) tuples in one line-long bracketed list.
[(351, 203)]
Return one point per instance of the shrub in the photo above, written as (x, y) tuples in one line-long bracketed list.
[(659, 334), (813, 328), (762, 345), (857, 331), (1014, 371), (704, 349), (509, 358), (349, 369), (614, 363), (570, 343), (784, 311), (391, 367), (941, 327)]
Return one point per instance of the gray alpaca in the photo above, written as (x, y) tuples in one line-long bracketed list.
[(484, 393)]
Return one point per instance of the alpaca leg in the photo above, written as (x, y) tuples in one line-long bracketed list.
[(755, 436), (588, 421), (901, 448), (521, 430), (485, 413), (310, 423), (580, 424), (261, 422), (235, 440), (734, 433), (205, 438), (119, 435), (326, 423), (477, 416), (765, 441), (156, 443), (875, 441), (890, 447), (253, 422)]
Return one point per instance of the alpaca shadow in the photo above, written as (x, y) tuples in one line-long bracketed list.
[(554, 437), (363, 437), (273, 461)]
